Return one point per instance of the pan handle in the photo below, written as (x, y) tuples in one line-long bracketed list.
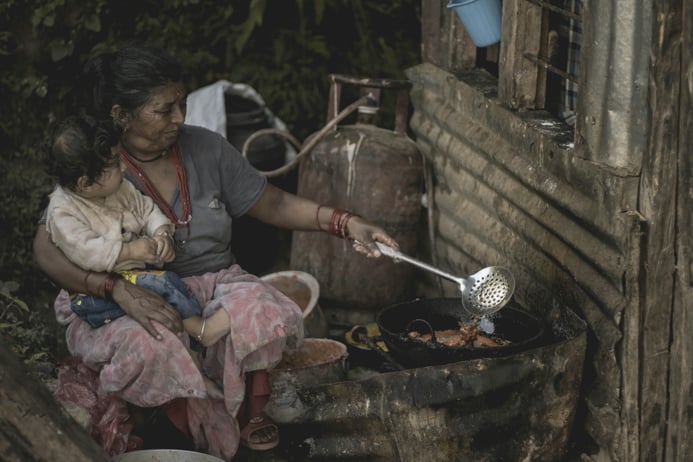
[(360, 334), (408, 328), (392, 253)]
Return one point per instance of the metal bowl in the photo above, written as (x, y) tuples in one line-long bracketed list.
[(164, 455)]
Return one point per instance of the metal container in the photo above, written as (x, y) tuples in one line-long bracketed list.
[(164, 455), (515, 407), (378, 174), (244, 117)]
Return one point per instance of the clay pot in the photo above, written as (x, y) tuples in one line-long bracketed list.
[(303, 289), (318, 361)]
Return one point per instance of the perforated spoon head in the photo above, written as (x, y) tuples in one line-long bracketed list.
[(487, 291), (483, 293)]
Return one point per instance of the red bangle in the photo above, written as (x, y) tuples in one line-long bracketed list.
[(346, 221), (338, 222), (86, 281), (342, 224), (108, 285), (334, 221)]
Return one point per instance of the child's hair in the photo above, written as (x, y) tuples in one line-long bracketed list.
[(82, 147)]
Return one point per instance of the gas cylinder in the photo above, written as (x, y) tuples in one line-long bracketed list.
[(376, 173)]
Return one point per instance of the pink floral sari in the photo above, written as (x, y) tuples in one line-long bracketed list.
[(120, 362)]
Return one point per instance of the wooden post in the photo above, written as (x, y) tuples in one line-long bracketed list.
[(33, 425), (521, 32), (658, 204), (445, 41), (679, 440)]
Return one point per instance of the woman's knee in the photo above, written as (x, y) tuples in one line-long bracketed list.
[(148, 348)]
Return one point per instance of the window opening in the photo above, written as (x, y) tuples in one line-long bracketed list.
[(559, 55), (487, 59)]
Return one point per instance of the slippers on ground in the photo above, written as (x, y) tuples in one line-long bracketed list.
[(258, 443)]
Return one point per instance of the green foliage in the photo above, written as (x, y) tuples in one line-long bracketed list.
[(284, 49), (22, 329), (310, 40), (24, 183)]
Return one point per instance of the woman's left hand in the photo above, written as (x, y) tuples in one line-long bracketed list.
[(365, 234)]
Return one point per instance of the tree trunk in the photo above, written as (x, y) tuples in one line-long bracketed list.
[(33, 425)]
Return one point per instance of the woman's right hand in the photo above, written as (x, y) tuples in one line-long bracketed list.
[(144, 306)]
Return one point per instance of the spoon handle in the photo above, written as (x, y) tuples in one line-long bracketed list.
[(392, 253)]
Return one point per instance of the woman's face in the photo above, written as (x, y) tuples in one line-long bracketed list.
[(154, 127)]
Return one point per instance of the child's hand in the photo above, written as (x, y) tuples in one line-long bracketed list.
[(142, 249), (165, 250)]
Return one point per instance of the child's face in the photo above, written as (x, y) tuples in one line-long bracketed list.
[(108, 182)]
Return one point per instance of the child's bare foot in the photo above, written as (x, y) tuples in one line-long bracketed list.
[(216, 326)]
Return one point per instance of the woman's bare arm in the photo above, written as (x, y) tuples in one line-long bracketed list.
[(143, 305), (49, 259), (279, 208)]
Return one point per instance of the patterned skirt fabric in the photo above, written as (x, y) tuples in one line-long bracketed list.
[(134, 367)]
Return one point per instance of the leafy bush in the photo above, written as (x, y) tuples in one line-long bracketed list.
[(22, 329)]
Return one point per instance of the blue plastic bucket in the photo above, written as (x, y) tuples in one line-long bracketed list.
[(481, 19)]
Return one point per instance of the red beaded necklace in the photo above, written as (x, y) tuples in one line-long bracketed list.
[(146, 185)]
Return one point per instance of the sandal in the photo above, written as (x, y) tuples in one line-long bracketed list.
[(258, 423)]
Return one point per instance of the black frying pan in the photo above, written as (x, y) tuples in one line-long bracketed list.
[(521, 328)]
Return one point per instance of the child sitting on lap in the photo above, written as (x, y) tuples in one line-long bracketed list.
[(102, 223)]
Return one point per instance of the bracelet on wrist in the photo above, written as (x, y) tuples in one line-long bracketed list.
[(202, 330), (317, 217), (109, 284), (86, 281), (334, 221), (338, 222), (346, 222)]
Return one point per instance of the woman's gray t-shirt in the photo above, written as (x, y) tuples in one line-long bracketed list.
[(222, 185)]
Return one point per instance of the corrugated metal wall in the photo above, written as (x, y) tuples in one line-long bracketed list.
[(509, 190), (602, 226)]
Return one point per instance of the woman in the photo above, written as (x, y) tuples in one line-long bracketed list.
[(201, 183)]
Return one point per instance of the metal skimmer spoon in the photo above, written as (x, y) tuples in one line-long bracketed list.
[(483, 293)]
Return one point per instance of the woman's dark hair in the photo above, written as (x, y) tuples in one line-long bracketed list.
[(128, 77), (82, 147)]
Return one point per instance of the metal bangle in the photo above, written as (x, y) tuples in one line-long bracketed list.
[(202, 330)]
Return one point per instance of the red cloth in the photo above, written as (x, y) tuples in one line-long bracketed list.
[(177, 413), (257, 394), (111, 424)]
